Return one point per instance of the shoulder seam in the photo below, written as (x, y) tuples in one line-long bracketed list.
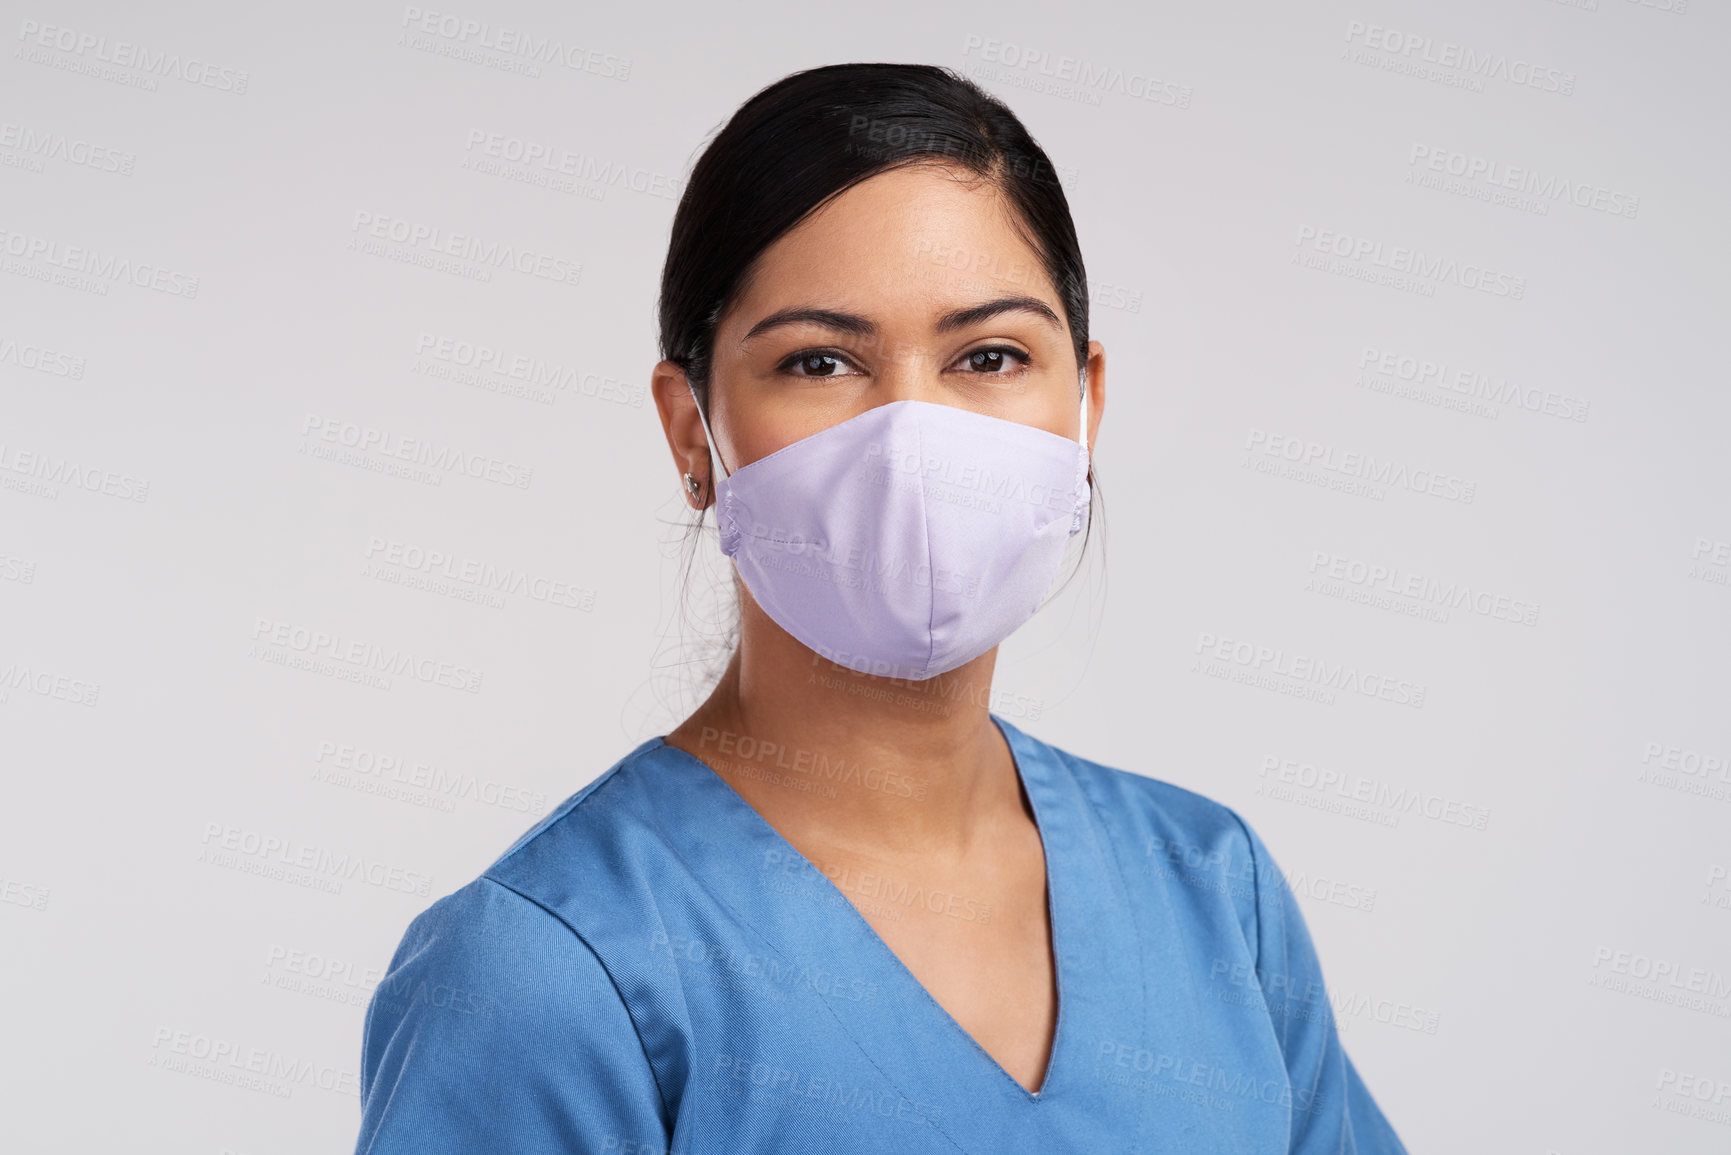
[(1196, 794), (660, 1091), (1212, 804), (1255, 879), (553, 817)]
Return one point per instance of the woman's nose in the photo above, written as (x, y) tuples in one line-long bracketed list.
[(910, 373)]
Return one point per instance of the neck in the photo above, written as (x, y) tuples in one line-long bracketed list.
[(852, 760)]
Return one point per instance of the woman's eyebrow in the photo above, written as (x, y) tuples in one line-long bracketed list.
[(973, 315), (857, 326)]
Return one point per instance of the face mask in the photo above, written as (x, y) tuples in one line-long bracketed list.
[(909, 539)]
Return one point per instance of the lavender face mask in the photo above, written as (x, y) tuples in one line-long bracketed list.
[(907, 540)]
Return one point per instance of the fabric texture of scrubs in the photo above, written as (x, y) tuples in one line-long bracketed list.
[(653, 968)]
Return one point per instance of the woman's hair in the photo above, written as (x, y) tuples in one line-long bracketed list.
[(812, 135), (815, 134)]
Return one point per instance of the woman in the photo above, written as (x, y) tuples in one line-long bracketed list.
[(844, 907)]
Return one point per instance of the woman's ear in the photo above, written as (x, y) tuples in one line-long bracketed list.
[(1096, 386), (683, 429)]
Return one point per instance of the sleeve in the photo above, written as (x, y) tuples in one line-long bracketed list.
[(497, 1030), (1332, 1110)]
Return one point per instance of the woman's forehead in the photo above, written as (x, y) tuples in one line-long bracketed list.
[(909, 243)]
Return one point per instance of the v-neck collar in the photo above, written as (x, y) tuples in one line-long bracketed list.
[(1081, 887)]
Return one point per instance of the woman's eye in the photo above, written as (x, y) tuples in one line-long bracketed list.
[(997, 361), (990, 362), (813, 365)]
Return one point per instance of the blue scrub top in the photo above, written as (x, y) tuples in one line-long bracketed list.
[(653, 968)]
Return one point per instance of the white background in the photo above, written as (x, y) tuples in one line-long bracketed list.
[(1558, 980)]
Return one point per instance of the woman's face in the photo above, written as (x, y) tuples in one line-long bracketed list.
[(912, 285)]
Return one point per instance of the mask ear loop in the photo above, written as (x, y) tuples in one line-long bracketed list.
[(714, 450), (1087, 459), (1083, 435)]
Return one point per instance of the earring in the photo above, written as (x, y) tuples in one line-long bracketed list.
[(691, 485)]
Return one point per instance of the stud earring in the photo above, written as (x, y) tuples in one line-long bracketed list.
[(691, 485)]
